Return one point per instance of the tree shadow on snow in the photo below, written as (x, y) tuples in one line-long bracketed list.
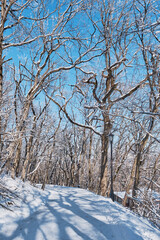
[(69, 218), (98, 228)]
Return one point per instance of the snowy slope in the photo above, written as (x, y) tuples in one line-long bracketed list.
[(61, 213)]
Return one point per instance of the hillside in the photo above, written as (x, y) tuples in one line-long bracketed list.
[(62, 213)]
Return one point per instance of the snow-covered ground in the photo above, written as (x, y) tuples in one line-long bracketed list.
[(62, 213)]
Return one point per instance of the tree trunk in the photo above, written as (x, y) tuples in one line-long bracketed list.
[(155, 169), (20, 129), (82, 159), (137, 174), (104, 156), (26, 163), (89, 162), (15, 168), (28, 156), (130, 184), (2, 21)]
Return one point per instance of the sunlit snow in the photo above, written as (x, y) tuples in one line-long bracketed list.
[(63, 213)]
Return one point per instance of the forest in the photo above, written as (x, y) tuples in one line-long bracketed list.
[(72, 74)]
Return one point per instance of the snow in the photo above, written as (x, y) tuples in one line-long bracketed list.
[(154, 194), (120, 194), (63, 213)]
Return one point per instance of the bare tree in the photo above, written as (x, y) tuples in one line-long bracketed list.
[(150, 103), (111, 34), (43, 55)]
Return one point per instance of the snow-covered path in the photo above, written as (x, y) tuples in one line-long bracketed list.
[(61, 213)]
